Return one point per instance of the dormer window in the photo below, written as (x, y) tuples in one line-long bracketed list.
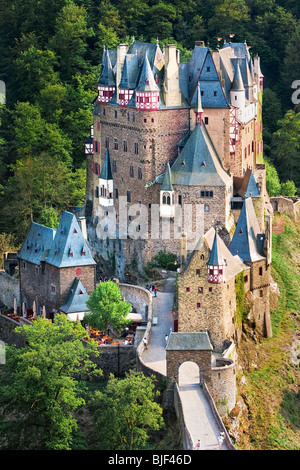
[(75, 231)]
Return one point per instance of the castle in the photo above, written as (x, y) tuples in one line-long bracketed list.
[(173, 148), (174, 162)]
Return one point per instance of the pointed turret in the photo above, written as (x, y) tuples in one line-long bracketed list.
[(247, 240), (106, 183), (167, 205), (147, 91), (107, 83), (216, 263), (128, 79), (237, 91)]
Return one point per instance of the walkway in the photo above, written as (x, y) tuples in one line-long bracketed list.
[(198, 416)]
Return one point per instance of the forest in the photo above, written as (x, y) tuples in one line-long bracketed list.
[(50, 57)]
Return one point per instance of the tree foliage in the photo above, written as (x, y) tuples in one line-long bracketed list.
[(126, 411), (39, 383), (106, 307)]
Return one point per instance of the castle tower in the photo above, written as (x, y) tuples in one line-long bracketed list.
[(147, 91), (216, 264), (167, 200), (237, 92), (107, 82), (106, 184)]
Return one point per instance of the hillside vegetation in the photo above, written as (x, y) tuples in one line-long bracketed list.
[(267, 415)]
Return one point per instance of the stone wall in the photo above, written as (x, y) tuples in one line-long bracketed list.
[(9, 289), (140, 298), (49, 286), (223, 385), (212, 308), (286, 205)]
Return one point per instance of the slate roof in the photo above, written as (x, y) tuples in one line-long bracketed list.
[(69, 245), (194, 341), (216, 258), (130, 72), (198, 163), (146, 80), (201, 68), (237, 84), (76, 299), (246, 186), (106, 74), (167, 180), (106, 173), (36, 244), (232, 264), (230, 55), (246, 241)]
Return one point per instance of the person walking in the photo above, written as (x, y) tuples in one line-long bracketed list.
[(221, 439), (166, 339), (155, 291), (145, 343), (197, 446)]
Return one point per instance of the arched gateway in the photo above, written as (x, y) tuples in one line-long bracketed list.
[(195, 347)]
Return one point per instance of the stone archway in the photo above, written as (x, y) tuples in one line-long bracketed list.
[(189, 373), (194, 347)]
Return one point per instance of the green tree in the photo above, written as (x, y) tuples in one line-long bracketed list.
[(288, 188), (70, 40), (286, 147), (39, 382), (106, 307), (272, 180), (126, 411)]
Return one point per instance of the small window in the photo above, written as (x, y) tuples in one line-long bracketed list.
[(245, 278), (53, 289), (210, 289), (131, 171), (206, 120), (128, 196), (114, 166), (116, 114), (106, 142), (140, 173), (136, 148), (200, 290), (261, 293), (198, 272), (207, 69), (125, 145), (198, 305), (187, 289), (260, 271), (116, 144)]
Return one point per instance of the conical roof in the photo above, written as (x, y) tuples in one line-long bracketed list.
[(147, 81), (166, 184), (107, 76), (216, 258), (106, 173), (237, 84), (130, 72), (245, 238)]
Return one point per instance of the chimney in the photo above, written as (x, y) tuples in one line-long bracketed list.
[(200, 43), (82, 224), (121, 53), (216, 59), (172, 94)]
